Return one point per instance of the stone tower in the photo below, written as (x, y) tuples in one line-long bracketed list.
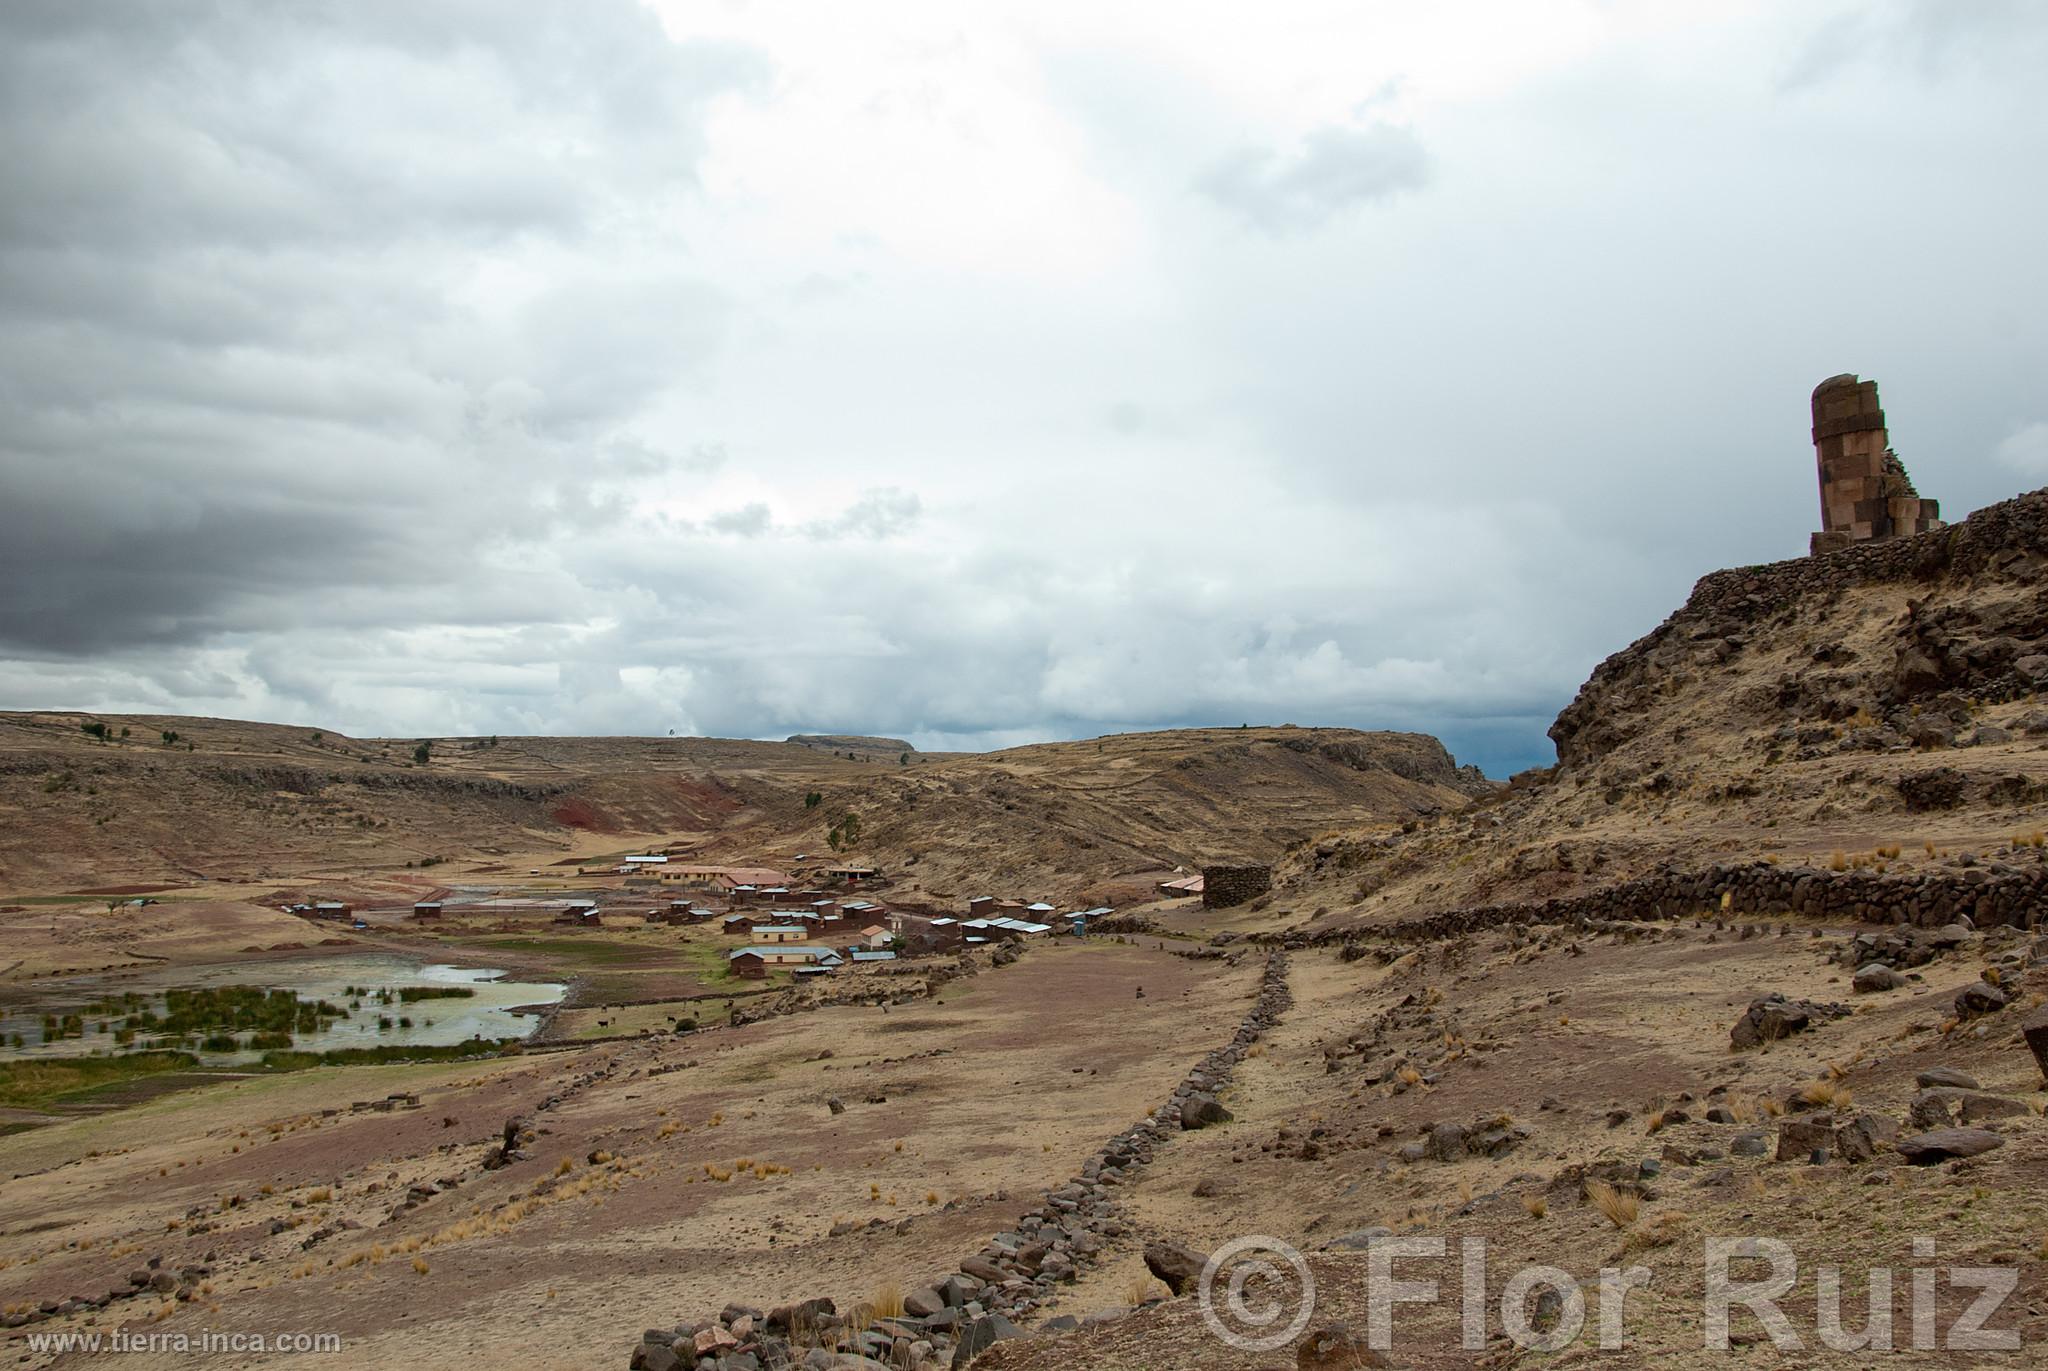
[(1865, 493)]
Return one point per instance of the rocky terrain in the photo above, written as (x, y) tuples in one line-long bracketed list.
[(1869, 713), (1758, 962)]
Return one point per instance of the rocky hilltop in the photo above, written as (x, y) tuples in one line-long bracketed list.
[(1866, 711)]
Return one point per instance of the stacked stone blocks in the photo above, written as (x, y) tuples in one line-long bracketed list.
[(1865, 493)]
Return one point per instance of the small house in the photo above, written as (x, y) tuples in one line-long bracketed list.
[(427, 909), (747, 962), (779, 933), (874, 935), (862, 956), (738, 925), (981, 906)]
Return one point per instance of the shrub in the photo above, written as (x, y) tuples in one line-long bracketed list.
[(1620, 1206)]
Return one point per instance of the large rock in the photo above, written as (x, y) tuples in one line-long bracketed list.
[(982, 1269), (1180, 1267), (1877, 977), (1799, 1139), (923, 1302), (801, 1316), (1979, 998), (1863, 1137), (1200, 1111), (977, 1337), (649, 1356), (1929, 1149), (1771, 1017), (1945, 1076), (1446, 1142), (2036, 1032)]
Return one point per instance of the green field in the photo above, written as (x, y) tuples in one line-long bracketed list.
[(590, 951), (36, 1084)]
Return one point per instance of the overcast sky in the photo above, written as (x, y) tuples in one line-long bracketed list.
[(972, 373)]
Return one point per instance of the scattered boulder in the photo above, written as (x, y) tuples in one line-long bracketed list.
[(1863, 1137), (1203, 1110), (1946, 1077), (1771, 1017), (1930, 1149), (1979, 998), (980, 1335), (2036, 1032), (1178, 1266), (1877, 977)]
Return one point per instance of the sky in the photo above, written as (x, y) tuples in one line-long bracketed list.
[(971, 373)]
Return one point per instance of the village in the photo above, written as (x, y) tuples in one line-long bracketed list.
[(769, 924)]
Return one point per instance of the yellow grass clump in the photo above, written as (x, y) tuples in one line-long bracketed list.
[(1620, 1206), (1535, 1206)]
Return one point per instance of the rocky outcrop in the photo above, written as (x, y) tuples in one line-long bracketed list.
[(1960, 649)]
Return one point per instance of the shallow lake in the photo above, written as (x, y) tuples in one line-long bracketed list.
[(486, 1013)]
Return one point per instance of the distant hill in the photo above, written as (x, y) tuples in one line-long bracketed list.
[(854, 743), (249, 801)]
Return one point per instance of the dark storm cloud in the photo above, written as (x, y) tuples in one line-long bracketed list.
[(1334, 170), (485, 367), (244, 371)]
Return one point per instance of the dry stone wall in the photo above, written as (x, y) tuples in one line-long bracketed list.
[(1226, 886), (1988, 897)]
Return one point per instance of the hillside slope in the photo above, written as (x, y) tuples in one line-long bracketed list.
[(174, 798), (1870, 707)]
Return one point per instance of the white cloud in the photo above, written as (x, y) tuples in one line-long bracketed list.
[(755, 368)]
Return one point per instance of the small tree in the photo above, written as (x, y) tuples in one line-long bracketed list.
[(94, 729), (904, 760), (421, 753), (169, 736), (813, 800)]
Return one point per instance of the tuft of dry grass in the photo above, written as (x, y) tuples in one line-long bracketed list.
[(1408, 1075), (887, 1301), (1620, 1206), (1535, 1206), (1838, 860), (1822, 1092), (1139, 1289), (419, 1266), (1662, 1231)]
